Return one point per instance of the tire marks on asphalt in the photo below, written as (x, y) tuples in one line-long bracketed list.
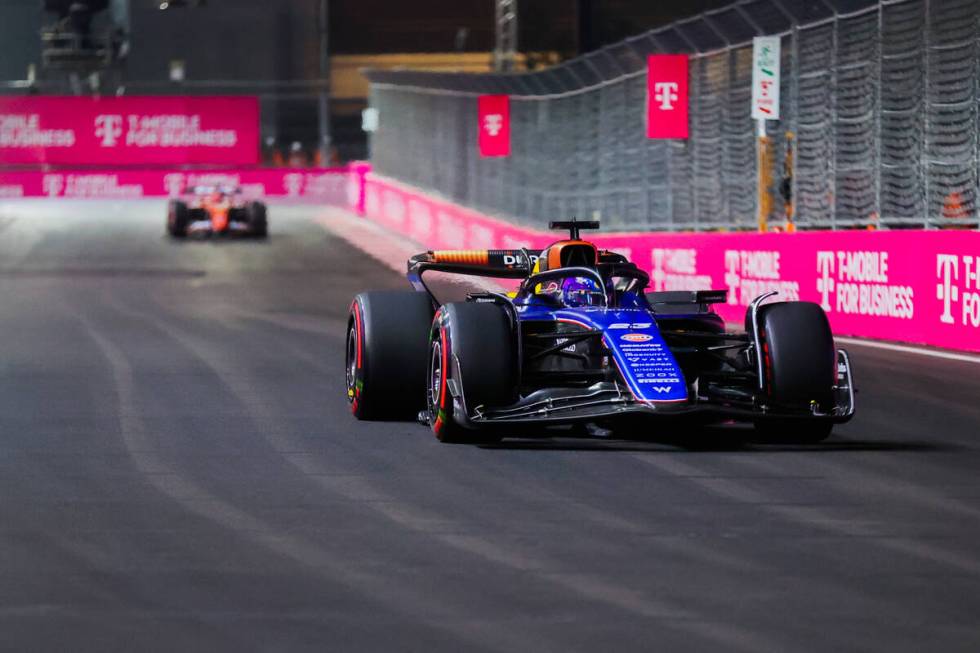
[(816, 517), (193, 497), (240, 384)]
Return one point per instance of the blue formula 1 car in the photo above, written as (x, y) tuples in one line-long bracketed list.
[(582, 342)]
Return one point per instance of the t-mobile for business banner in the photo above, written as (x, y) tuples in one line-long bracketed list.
[(493, 113), (129, 130), (667, 96)]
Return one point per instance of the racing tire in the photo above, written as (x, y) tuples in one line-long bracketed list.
[(178, 218), (387, 354), (472, 346), (257, 220), (800, 364)]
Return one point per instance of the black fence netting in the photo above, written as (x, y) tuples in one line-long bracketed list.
[(879, 124)]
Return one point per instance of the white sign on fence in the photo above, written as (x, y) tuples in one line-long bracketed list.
[(765, 78), (369, 119)]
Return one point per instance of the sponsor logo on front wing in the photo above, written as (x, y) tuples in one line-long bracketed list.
[(636, 337)]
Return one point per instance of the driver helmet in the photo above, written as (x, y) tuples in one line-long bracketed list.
[(582, 291)]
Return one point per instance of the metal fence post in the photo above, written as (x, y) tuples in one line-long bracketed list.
[(833, 122), (926, 125), (877, 116), (795, 99)]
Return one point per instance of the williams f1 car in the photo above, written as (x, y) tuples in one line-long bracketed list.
[(582, 341), (216, 210)]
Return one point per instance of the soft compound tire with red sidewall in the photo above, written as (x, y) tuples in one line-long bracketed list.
[(480, 337), (800, 363), (387, 354)]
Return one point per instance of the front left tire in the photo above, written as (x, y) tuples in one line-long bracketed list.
[(387, 354), (472, 347), (800, 364)]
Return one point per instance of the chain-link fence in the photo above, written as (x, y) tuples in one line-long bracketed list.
[(879, 124)]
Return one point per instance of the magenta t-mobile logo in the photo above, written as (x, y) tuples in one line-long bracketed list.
[(292, 183), (825, 281), (732, 278), (948, 271), (666, 94), (108, 129), (53, 185), (493, 123), (174, 183), (657, 273)]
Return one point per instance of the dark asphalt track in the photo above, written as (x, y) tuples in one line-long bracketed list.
[(179, 472)]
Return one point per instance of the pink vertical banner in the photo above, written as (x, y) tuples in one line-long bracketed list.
[(493, 112), (667, 97)]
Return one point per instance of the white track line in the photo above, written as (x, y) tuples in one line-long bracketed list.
[(934, 353)]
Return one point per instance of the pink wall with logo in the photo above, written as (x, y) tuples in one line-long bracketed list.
[(121, 131), (336, 186), (912, 286)]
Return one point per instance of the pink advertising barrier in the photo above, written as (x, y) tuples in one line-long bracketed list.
[(912, 286), (337, 186), (122, 131)]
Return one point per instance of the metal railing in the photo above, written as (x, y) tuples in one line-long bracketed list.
[(879, 124)]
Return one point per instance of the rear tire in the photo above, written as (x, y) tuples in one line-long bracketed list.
[(480, 337), (178, 218), (387, 354), (800, 363), (257, 219)]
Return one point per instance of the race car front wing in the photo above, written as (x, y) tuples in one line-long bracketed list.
[(609, 399)]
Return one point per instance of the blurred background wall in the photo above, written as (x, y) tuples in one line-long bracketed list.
[(272, 49)]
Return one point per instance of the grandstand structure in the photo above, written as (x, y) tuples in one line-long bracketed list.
[(879, 124)]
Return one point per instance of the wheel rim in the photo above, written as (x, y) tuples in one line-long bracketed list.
[(435, 374), (351, 362)]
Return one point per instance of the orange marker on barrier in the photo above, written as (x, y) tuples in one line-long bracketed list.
[(953, 208)]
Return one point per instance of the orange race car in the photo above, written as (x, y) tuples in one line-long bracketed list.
[(216, 210)]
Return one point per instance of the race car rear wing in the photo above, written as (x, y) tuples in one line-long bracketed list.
[(501, 263), (507, 264), (496, 263)]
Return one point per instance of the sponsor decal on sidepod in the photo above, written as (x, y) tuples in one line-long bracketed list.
[(636, 337)]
